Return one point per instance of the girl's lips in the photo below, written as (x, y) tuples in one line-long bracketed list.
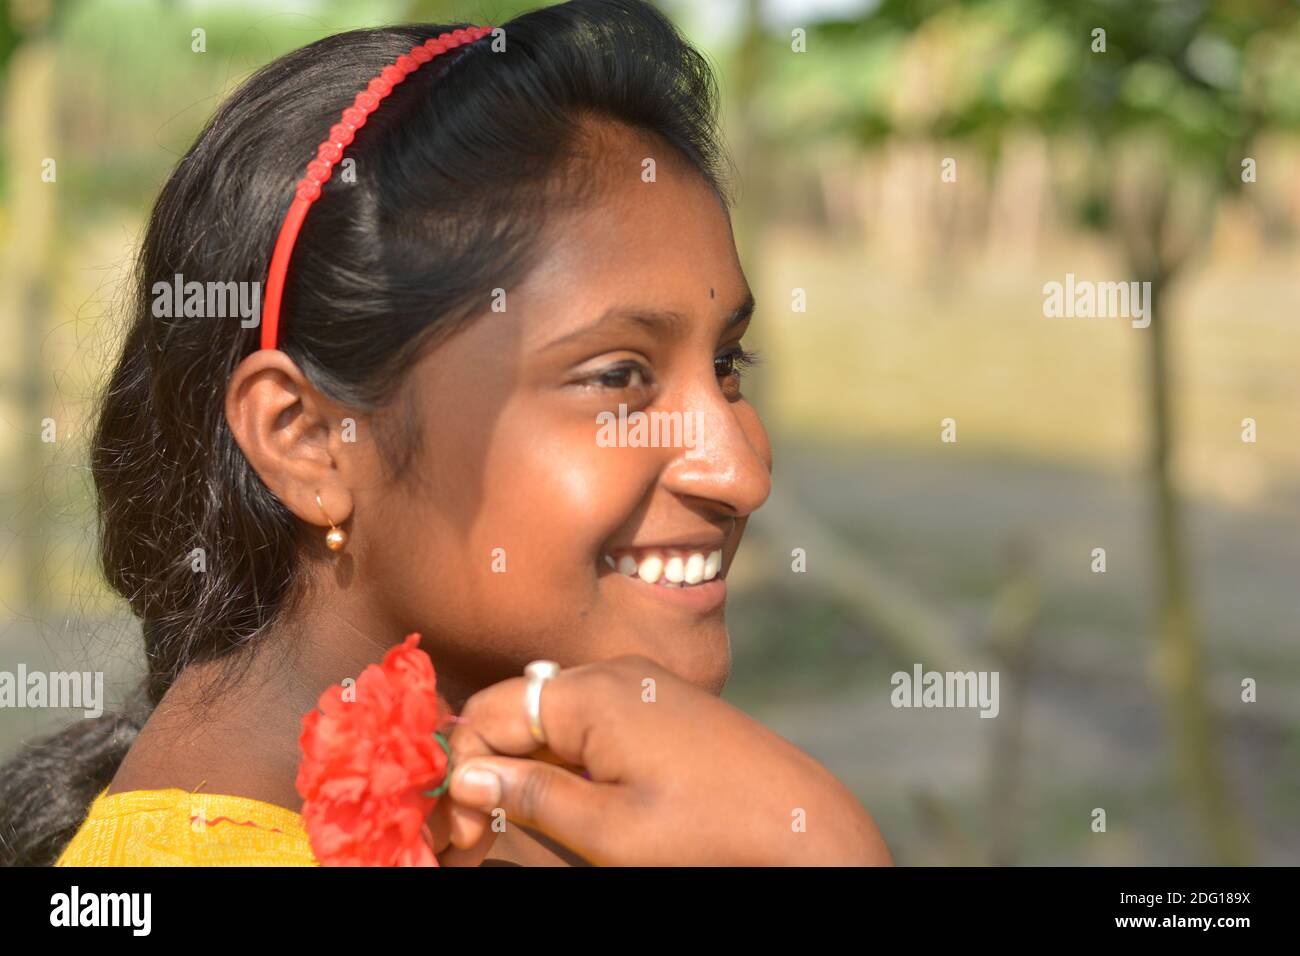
[(686, 575), (701, 598)]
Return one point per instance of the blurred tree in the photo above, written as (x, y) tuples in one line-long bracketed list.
[(28, 51), (1165, 98)]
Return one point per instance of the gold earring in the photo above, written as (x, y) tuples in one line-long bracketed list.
[(336, 539)]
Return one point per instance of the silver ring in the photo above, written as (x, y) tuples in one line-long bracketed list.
[(538, 673)]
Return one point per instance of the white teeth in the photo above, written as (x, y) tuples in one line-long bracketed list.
[(650, 568), (672, 571), (712, 565)]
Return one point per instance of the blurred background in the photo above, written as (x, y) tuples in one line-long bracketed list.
[(911, 174)]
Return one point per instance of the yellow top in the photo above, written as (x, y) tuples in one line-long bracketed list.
[(174, 827)]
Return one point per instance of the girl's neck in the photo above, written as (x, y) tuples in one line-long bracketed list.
[(225, 730)]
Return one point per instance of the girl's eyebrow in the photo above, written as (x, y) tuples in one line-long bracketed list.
[(665, 323), (741, 313)]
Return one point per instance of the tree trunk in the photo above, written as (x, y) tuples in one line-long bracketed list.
[(1177, 653)]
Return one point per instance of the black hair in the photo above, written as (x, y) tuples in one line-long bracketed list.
[(457, 174)]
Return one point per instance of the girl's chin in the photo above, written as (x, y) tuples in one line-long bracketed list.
[(707, 672), (698, 651), (681, 628)]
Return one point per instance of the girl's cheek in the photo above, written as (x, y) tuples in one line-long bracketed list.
[(582, 495), (553, 499)]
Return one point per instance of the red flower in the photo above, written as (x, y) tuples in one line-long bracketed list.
[(368, 757)]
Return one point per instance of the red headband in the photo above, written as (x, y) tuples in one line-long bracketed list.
[(331, 151)]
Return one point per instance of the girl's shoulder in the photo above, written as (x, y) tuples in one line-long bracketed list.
[(174, 827)]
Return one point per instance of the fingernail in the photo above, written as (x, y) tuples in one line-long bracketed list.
[(478, 786)]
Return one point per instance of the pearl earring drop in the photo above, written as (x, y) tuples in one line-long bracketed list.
[(336, 539)]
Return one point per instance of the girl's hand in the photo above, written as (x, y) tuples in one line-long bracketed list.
[(678, 778)]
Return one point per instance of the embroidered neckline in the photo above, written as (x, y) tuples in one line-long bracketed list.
[(215, 807)]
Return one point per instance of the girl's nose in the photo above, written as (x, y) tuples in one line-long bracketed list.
[(730, 461)]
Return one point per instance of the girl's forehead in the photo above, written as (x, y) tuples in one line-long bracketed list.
[(661, 249), (670, 229)]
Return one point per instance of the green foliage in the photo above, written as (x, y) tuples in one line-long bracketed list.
[(1203, 77)]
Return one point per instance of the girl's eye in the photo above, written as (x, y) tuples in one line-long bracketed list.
[(730, 364), (621, 376)]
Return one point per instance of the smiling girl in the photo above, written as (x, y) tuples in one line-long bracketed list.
[(534, 231)]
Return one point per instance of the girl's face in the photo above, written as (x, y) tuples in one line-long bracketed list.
[(498, 549)]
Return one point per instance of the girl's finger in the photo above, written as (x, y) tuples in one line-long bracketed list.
[(472, 855), (467, 824), (495, 721)]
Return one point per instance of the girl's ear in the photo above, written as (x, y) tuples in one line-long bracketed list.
[(288, 432)]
